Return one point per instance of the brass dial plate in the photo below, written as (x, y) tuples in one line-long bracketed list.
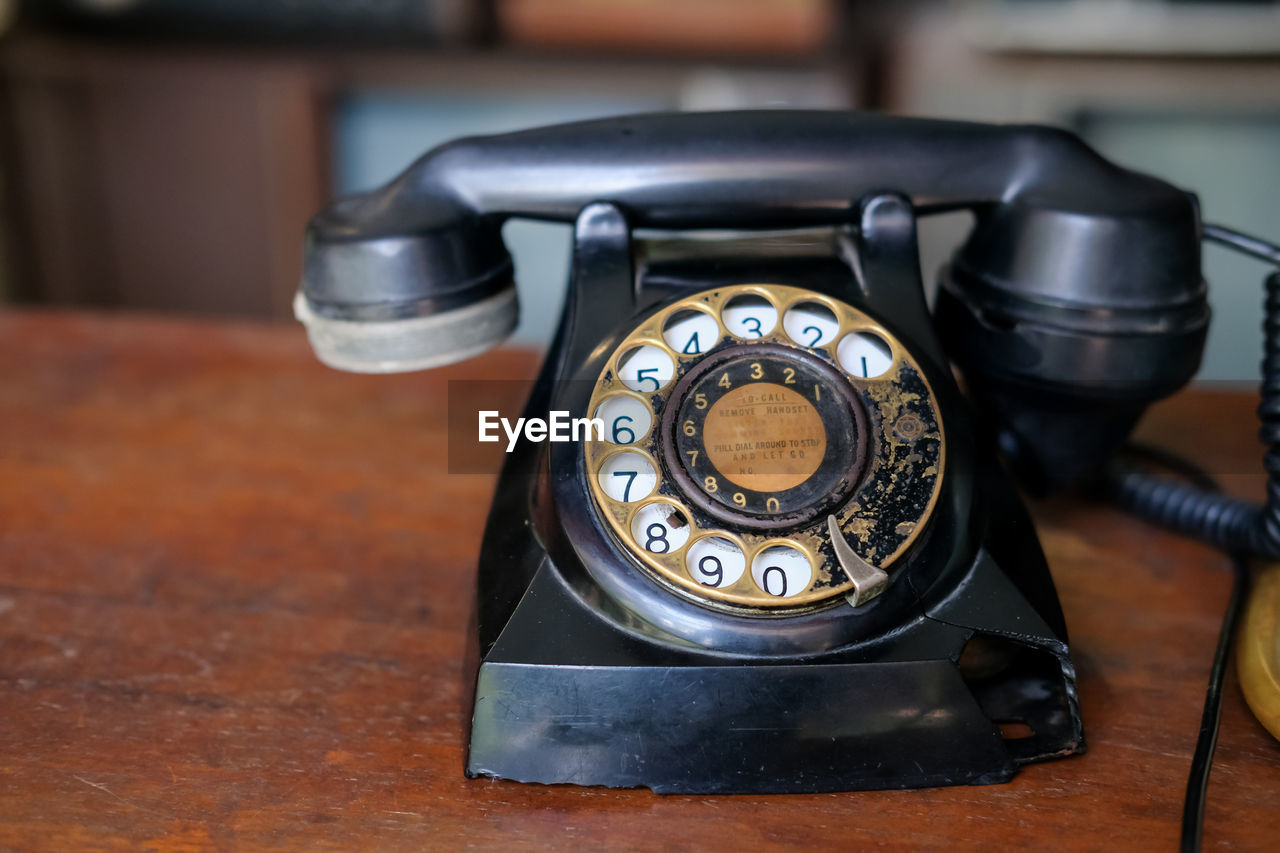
[(745, 565)]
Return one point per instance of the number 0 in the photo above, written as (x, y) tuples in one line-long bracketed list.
[(782, 578)]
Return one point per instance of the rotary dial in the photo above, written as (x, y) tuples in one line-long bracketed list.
[(766, 448)]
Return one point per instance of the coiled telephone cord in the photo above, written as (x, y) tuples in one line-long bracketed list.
[(1241, 528)]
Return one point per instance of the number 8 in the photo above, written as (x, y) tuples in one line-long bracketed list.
[(660, 536)]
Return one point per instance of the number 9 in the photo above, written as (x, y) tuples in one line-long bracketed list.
[(714, 576)]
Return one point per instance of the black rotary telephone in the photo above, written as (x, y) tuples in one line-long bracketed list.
[(784, 556)]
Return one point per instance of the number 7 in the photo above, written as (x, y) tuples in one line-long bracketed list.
[(626, 491)]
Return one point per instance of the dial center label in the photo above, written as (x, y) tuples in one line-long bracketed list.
[(764, 436)]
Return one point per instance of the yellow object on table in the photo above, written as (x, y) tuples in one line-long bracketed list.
[(1258, 657)]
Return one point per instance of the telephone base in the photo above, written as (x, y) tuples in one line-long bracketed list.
[(735, 729), (595, 671), (564, 698)]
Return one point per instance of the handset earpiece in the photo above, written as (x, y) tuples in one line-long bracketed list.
[(1068, 325)]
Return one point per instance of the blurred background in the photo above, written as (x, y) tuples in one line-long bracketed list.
[(164, 155)]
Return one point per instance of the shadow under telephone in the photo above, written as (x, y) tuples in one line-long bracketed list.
[(794, 560)]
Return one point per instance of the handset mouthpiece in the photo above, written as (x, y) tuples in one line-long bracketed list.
[(385, 292), (409, 343)]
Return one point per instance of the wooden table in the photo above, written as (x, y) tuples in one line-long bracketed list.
[(233, 591)]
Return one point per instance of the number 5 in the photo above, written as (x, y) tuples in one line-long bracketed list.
[(640, 377)]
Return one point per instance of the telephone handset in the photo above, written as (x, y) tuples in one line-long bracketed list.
[(790, 561)]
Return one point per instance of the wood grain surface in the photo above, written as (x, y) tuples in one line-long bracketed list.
[(233, 595)]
